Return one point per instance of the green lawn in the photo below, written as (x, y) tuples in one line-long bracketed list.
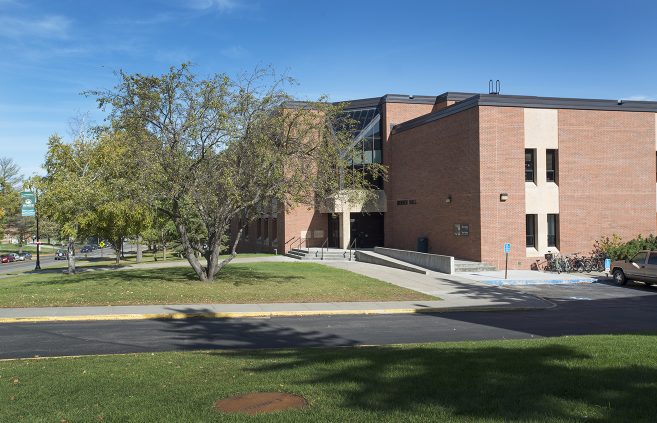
[(85, 260), (589, 378), (237, 283), (13, 248)]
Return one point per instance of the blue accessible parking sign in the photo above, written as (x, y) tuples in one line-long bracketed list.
[(507, 247)]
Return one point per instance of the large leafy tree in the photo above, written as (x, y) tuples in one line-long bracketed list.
[(219, 150), (89, 190)]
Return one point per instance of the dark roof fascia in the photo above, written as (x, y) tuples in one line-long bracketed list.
[(529, 102), (430, 117), (566, 103), (408, 99), (361, 103), (454, 96)]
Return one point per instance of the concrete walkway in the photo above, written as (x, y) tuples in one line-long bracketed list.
[(455, 290), (456, 294), (525, 277)]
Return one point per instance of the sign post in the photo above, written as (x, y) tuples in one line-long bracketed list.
[(507, 249), (607, 266), (28, 208)]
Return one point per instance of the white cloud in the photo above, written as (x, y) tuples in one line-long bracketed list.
[(221, 5), (53, 26)]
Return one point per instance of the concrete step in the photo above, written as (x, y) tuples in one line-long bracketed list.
[(316, 255)]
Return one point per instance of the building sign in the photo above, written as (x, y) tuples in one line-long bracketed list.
[(406, 202), (28, 200), (507, 248), (461, 229)]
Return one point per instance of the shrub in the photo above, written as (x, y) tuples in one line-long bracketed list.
[(616, 249)]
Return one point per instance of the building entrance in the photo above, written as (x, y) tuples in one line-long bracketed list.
[(367, 229)]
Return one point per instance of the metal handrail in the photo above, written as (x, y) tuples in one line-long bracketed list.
[(325, 243), (352, 245), (301, 241)]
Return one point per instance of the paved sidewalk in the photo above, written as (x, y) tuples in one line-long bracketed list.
[(525, 277)]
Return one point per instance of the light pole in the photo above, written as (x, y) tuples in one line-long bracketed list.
[(38, 240)]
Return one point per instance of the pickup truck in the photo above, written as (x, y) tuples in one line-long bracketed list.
[(642, 267)]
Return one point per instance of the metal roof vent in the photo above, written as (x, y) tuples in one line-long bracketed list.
[(494, 87)]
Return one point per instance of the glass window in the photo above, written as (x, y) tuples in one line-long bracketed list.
[(274, 229), (259, 228), (530, 229), (266, 229), (530, 165), (652, 259), (551, 165), (639, 258), (553, 229)]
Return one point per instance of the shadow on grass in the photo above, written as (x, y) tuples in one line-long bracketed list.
[(537, 383), (234, 275)]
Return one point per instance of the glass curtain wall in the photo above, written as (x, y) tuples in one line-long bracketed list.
[(367, 133)]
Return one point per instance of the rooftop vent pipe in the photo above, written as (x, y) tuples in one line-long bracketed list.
[(494, 87)]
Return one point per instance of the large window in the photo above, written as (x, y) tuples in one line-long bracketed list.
[(530, 229), (266, 229), (274, 229), (368, 145), (259, 228), (530, 165), (553, 230), (551, 165)]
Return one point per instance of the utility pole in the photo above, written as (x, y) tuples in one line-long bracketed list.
[(38, 240)]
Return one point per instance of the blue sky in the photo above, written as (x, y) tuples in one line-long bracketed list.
[(51, 50)]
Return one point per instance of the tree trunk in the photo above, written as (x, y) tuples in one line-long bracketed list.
[(188, 251), (138, 260), (231, 256), (71, 255)]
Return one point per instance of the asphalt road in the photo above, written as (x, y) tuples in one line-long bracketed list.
[(581, 309), (47, 260)]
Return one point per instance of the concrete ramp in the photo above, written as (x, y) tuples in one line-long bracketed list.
[(381, 260)]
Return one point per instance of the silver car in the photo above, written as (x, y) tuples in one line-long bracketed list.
[(642, 267)]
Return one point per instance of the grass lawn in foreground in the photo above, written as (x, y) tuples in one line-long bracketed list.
[(588, 378), (237, 283)]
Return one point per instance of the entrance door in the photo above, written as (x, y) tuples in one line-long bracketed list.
[(333, 231), (367, 228)]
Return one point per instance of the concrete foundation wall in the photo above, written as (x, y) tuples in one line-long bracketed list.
[(438, 263)]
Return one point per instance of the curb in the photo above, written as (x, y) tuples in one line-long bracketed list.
[(260, 314)]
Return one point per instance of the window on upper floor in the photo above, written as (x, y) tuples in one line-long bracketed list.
[(551, 165), (530, 165)]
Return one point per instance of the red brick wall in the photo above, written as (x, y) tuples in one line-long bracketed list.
[(431, 162), (502, 148), (302, 219), (606, 176)]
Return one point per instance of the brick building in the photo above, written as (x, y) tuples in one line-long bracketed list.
[(470, 172)]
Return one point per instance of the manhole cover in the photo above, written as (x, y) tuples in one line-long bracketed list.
[(260, 402)]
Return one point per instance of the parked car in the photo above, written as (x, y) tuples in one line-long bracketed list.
[(6, 258), (25, 256), (86, 249), (17, 257), (61, 255), (642, 267)]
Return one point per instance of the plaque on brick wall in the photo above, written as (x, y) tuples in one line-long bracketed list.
[(465, 229), (457, 229), (318, 234)]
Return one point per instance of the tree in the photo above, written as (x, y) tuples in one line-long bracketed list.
[(10, 173), (89, 190), (219, 150)]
